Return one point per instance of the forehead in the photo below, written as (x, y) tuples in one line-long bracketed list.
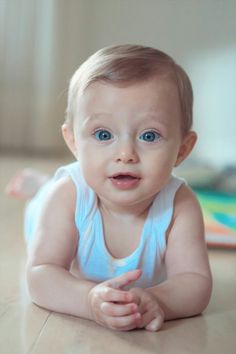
[(156, 94)]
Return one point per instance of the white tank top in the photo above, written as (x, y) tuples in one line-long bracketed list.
[(94, 260)]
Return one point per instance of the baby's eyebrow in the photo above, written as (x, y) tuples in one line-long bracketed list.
[(144, 118), (95, 117), (154, 118)]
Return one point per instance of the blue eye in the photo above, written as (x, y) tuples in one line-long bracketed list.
[(149, 136), (103, 135)]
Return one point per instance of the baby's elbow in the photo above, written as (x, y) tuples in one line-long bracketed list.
[(208, 292), (35, 286), (204, 295)]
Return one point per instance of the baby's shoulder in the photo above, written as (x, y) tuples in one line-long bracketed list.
[(62, 194), (64, 184), (186, 201)]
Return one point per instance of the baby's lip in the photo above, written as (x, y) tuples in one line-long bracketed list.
[(125, 174), (125, 180)]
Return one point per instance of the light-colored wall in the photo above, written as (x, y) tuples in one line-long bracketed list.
[(199, 34)]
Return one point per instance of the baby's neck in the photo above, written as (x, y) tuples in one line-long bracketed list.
[(126, 213), (122, 227)]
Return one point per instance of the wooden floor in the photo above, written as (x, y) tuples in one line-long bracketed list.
[(26, 328)]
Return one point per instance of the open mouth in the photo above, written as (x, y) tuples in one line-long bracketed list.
[(125, 180), (124, 177)]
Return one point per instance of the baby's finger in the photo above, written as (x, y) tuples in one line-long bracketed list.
[(124, 279), (155, 316), (118, 310), (155, 324), (115, 295), (124, 323)]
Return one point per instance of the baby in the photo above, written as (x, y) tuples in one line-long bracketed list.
[(135, 230)]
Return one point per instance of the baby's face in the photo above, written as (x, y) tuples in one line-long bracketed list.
[(128, 139)]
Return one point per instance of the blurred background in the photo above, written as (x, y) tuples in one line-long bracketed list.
[(42, 42)]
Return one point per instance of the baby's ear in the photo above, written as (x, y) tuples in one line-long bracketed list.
[(69, 138), (186, 147)]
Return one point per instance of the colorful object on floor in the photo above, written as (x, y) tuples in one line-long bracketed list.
[(219, 211)]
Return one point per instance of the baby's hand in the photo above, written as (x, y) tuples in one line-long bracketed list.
[(151, 312), (113, 307)]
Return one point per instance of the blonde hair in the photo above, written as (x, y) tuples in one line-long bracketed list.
[(129, 64)]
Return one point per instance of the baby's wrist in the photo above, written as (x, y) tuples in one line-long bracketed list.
[(91, 315)]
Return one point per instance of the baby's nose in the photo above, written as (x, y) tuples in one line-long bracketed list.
[(126, 152)]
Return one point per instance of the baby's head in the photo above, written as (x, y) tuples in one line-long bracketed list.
[(124, 65)]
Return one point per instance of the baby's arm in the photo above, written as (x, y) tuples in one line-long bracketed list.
[(187, 290), (50, 282)]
